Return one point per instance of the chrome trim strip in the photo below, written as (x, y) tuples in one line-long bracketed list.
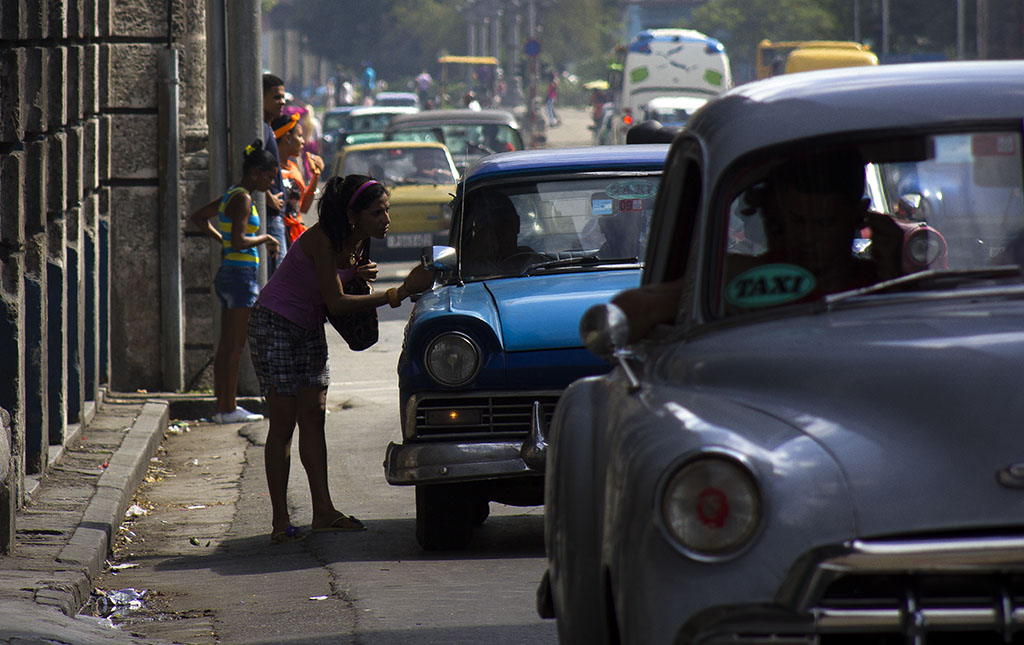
[(834, 620), (961, 555)]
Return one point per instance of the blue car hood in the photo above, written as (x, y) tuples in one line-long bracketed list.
[(543, 312)]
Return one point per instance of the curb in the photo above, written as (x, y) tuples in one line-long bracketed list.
[(41, 605), (91, 541)]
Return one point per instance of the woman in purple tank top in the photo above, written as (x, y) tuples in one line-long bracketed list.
[(289, 347)]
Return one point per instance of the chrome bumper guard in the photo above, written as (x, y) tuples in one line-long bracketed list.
[(909, 588), (446, 461)]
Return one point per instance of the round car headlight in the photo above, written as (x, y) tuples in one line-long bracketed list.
[(452, 358), (923, 247), (711, 506)]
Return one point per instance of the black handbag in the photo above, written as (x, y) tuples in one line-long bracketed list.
[(359, 329)]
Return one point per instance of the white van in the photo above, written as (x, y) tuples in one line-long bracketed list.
[(669, 62)]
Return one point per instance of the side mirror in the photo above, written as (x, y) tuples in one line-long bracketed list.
[(438, 258), (604, 329)]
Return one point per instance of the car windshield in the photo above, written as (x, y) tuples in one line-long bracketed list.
[(565, 225), (398, 166), (334, 120), (803, 224), (466, 139), (363, 122)]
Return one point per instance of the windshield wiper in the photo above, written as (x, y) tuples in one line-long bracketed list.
[(581, 261), (931, 279)]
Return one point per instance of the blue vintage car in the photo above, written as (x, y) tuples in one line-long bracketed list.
[(537, 237), (801, 442)]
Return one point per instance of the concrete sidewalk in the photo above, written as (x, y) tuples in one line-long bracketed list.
[(65, 530)]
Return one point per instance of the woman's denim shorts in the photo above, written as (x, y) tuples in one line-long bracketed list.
[(236, 286)]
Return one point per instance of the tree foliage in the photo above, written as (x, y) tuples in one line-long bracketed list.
[(399, 37), (742, 24), (577, 31)]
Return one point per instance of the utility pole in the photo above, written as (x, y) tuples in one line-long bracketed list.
[(960, 49), (885, 30), (982, 30), (856, 20)]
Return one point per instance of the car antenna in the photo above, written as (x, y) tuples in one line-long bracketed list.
[(460, 190)]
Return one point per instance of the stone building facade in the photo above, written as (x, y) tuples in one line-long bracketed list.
[(80, 215)]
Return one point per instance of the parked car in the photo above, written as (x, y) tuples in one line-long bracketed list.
[(800, 443), (421, 177), (404, 99), (469, 134), (671, 110), (361, 124), (332, 121), (537, 237)]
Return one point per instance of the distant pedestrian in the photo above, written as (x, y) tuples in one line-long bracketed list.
[(311, 132), (550, 97), (423, 83), (469, 101), (274, 100), (237, 231), (289, 347), (368, 82)]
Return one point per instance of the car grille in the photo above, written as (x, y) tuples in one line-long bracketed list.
[(968, 591), (501, 415)]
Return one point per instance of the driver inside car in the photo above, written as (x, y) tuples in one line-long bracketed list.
[(491, 236), (429, 167), (812, 207)]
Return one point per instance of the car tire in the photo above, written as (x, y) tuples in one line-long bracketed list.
[(580, 611), (443, 517), (480, 510)]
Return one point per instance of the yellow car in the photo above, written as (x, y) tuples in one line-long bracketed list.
[(421, 177)]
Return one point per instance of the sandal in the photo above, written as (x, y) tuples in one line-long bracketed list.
[(290, 534), (342, 523)]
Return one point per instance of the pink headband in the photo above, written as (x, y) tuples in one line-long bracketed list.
[(360, 190)]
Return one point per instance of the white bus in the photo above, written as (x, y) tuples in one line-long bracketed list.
[(669, 62)]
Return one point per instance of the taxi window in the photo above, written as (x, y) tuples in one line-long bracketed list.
[(810, 223)]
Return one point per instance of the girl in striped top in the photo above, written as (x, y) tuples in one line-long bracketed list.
[(236, 284)]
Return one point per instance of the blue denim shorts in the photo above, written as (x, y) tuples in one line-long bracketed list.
[(236, 286)]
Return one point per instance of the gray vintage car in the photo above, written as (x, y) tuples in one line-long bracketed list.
[(813, 430)]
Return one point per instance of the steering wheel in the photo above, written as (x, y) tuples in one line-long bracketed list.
[(521, 256)]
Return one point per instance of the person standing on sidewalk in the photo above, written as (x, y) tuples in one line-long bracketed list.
[(273, 105), (550, 98), (236, 283), (289, 346), (298, 194)]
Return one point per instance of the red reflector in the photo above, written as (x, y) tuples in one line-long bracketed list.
[(627, 119), (712, 508)]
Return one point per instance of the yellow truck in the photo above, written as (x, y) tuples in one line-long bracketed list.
[(786, 57)]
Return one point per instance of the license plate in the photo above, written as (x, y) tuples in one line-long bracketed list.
[(408, 240)]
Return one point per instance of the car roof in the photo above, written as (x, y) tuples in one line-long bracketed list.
[(384, 109), (341, 109), (437, 117), (791, 107), (376, 145), (396, 95), (592, 159)]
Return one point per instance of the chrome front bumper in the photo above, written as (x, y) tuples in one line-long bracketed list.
[(437, 462)]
